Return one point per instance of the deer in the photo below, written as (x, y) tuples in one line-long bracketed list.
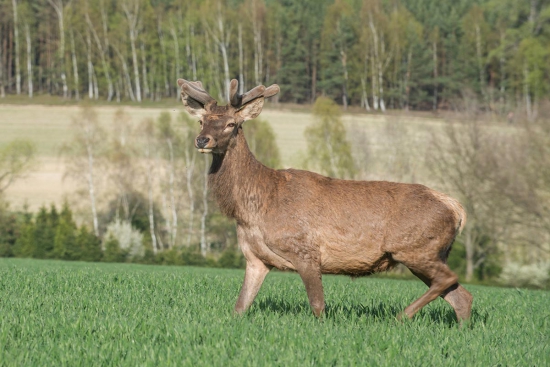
[(296, 220)]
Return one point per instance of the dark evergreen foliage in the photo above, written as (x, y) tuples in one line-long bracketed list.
[(419, 54)]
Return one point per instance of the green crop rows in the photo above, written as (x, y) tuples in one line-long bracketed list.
[(72, 314)]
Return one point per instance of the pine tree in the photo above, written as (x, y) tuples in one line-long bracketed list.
[(45, 227), (89, 245), (65, 244), (25, 245), (112, 252)]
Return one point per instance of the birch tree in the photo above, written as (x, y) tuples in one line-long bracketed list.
[(29, 60), (168, 139), (131, 9), (2, 87), (59, 9), (376, 23), (216, 23), (206, 168), (121, 158), (102, 45), (16, 159), (147, 130), (190, 156), (82, 155), (16, 44)]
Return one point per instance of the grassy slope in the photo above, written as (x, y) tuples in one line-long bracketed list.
[(56, 313), (49, 126)]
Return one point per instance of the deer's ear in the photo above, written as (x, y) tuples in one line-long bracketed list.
[(250, 110)]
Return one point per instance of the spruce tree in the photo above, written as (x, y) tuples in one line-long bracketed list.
[(89, 245)]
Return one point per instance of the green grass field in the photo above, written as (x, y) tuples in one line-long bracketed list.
[(84, 314)]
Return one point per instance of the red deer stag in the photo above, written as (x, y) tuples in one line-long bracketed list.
[(302, 221)]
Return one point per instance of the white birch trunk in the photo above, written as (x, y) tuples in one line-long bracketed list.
[(193, 56), (241, 60), (375, 66), (126, 75), (176, 55), (190, 164), (146, 90), (90, 66), (96, 87), (164, 66), (381, 86), (91, 185), (168, 223), (149, 174), (222, 40), (136, 67), (435, 74), (343, 58), (171, 190), (2, 87), (29, 60), (75, 68), (16, 41), (102, 51), (133, 19), (58, 7), (502, 64), (374, 79), (204, 244), (225, 70)]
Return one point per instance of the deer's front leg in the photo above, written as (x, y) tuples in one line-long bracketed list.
[(254, 276), (311, 276)]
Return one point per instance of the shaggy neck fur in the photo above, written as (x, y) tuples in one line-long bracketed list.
[(242, 186)]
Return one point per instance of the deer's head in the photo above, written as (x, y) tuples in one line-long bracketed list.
[(220, 124)]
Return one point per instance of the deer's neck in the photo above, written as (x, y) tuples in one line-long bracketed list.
[(242, 186)]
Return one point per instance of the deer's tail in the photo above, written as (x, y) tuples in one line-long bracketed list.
[(457, 209)]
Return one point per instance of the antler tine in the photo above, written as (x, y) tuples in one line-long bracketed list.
[(234, 97), (238, 100), (271, 90), (195, 91)]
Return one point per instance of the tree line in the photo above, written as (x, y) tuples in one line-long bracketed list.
[(377, 54), (54, 234)]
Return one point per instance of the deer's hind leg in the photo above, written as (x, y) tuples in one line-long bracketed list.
[(457, 296), (434, 273), (460, 299)]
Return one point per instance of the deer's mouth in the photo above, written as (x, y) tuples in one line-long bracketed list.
[(205, 150)]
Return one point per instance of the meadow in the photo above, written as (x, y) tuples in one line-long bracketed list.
[(49, 127), (80, 314)]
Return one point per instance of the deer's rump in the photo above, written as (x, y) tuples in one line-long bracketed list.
[(356, 227)]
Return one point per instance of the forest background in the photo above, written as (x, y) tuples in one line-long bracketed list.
[(481, 67)]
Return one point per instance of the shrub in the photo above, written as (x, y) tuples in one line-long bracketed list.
[(129, 239), (533, 275)]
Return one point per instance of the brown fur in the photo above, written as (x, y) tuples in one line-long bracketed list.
[(302, 221)]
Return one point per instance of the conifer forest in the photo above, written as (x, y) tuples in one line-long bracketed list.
[(376, 54)]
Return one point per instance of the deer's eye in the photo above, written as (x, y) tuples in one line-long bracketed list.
[(230, 125)]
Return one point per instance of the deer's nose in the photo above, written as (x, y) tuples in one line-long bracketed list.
[(202, 141)]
